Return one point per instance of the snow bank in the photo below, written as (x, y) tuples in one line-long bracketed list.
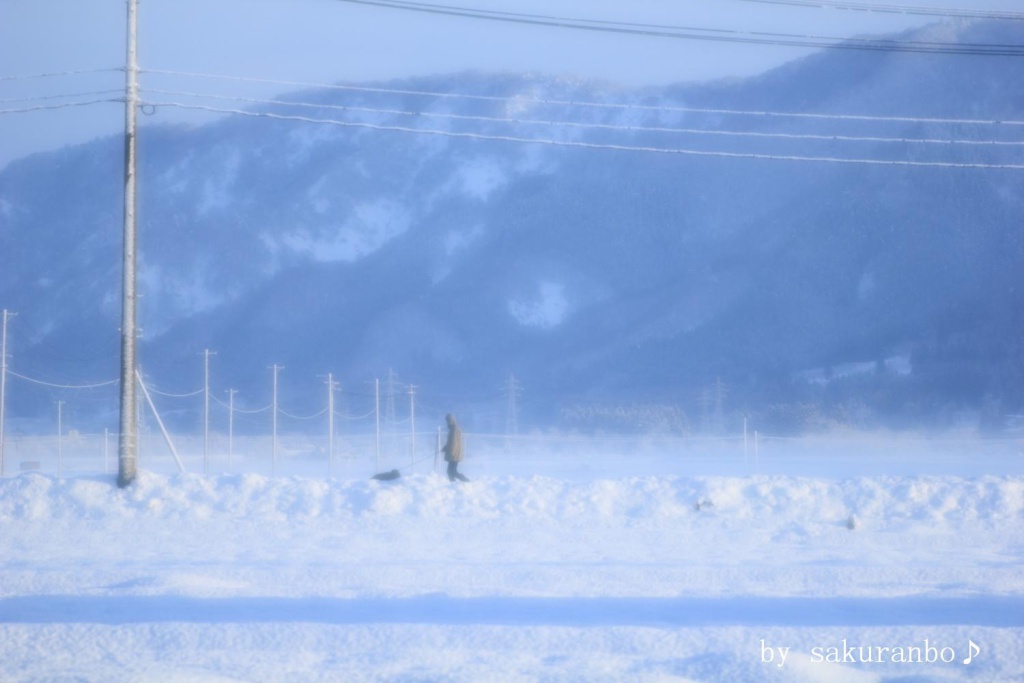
[(879, 501), (689, 578)]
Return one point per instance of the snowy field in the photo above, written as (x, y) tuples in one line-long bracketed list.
[(863, 561)]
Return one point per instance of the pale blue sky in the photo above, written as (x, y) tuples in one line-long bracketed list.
[(329, 41)]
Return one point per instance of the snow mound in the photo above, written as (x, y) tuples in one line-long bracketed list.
[(870, 501)]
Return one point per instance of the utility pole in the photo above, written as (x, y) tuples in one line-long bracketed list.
[(390, 418), (412, 425), (331, 385), (128, 447), (206, 410), (376, 416), (512, 418), (60, 441), (718, 423), (231, 424), (706, 399), (3, 385), (273, 464)]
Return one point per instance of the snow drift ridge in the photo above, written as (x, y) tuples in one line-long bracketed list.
[(877, 501)]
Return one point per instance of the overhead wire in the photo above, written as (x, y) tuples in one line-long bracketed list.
[(63, 105), (40, 382), (43, 98), (947, 12), (580, 144), (171, 395), (517, 99), (695, 33), (301, 417), (28, 77), (587, 125)]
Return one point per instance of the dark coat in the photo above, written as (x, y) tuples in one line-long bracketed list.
[(453, 446)]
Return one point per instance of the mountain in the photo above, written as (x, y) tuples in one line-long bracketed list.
[(814, 292)]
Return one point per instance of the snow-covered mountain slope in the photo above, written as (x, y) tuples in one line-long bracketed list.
[(595, 274)]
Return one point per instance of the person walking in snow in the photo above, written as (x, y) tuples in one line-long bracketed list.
[(453, 449)]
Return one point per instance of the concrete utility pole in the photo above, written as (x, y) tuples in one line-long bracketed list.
[(412, 425), (206, 409), (231, 425), (273, 465), (376, 417), (3, 385), (512, 418), (718, 421), (128, 447), (389, 416), (331, 386), (60, 441)]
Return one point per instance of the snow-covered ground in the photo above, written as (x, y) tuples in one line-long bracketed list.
[(626, 563)]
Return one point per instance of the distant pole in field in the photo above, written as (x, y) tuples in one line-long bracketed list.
[(512, 416), (757, 448), (231, 425), (412, 425), (3, 385), (206, 410), (437, 451), (376, 417), (389, 413), (744, 439), (718, 417), (273, 463), (128, 447), (60, 440), (331, 385)]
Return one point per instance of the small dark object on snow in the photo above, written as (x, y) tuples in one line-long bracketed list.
[(387, 476)]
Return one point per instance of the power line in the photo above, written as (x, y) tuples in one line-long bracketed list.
[(65, 105), (585, 145), (170, 395), (238, 410), (949, 12), (44, 98), (28, 77), (696, 33), (302, 417), (591, 104), (591, 125), (62, 386)]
